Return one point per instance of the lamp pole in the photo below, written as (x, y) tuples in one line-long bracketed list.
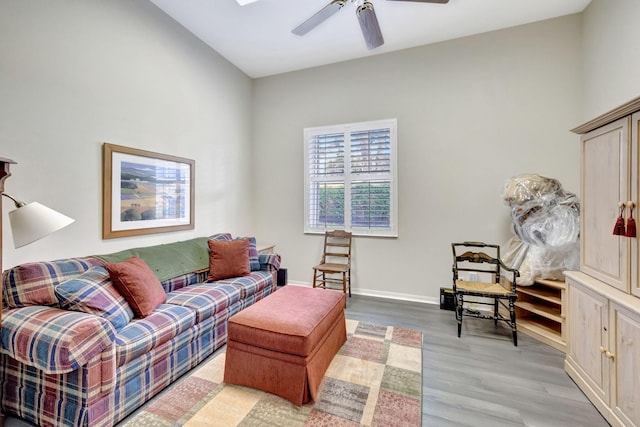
[(4, 174)]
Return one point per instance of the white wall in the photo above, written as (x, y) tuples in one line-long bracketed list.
[(611, 52), (74, 74), (471, 112)]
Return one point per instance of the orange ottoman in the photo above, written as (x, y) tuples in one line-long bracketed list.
[(284, 343)]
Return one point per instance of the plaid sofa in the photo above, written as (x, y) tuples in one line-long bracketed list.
[(61, 367)]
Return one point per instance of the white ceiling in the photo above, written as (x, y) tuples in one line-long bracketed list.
[(257, 37)]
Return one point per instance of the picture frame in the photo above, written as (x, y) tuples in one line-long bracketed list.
[(145, 192)]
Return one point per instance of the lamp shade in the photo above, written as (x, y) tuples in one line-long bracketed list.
[(34, 221)]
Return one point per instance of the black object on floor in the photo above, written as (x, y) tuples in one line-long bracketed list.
[(447, 299), (282, 277)]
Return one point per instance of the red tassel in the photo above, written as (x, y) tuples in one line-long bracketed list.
[(631, 224), (618, 229)]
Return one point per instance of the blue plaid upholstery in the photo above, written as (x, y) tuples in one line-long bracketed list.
[(93, 292), (53, 340), (60, 367), (183, 280), (34, 283), (269, 262), (249, 285), (254, 263), (205, 299)]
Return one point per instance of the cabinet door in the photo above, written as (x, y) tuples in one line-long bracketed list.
[(588, 338), (605, 182), (625, 396), (635, 198)]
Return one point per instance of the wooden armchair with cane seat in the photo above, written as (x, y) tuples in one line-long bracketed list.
[(478, 272), (336, 261)]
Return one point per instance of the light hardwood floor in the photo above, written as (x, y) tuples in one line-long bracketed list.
[(482, 379)]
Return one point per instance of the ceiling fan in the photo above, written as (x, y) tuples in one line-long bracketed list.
[(366, 17)]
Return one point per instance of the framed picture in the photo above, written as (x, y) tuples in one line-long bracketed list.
[(145, 192)]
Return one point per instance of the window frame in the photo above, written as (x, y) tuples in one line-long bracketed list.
[(310, 133)]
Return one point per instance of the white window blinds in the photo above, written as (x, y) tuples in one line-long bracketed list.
[(350, 178)]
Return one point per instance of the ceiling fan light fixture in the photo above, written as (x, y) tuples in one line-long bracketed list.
[(369, 25)]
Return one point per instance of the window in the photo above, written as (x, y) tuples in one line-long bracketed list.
[(351, 178)]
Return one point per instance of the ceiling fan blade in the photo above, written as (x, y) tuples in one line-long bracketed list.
[(317, 19), (426, 1), (369, 25)]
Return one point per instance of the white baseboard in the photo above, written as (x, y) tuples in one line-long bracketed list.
[(381, 294)]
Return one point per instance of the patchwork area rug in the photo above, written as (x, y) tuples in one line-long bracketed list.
[(374, 380)]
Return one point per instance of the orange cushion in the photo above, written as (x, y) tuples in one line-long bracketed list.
[(138, 285), (292, 320), (228, 259)]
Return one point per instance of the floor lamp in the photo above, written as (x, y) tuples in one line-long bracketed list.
[(29, 221)]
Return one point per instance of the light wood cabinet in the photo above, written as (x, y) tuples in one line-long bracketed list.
[(603, 348), (603, 299)]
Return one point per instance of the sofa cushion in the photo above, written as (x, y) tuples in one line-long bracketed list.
[(137, 283), (220, 236), (251, 284), (228, 259), (206, 299), (254, 263), (34, 283), (142, 335), (184, 280), (93, 292)]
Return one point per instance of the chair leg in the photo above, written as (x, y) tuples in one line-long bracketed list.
[(512, 313), (459, 315), (495, 312), (349, 282), (344, 288), (344, 283), (315, 275)]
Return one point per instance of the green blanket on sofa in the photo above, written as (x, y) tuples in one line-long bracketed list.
[(168, 260)]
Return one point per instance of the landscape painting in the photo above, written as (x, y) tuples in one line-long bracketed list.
[(145, 192)]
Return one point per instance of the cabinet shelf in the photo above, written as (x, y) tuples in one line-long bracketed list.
[(540, 311), (543, 330), (549, 295), (551, 313)]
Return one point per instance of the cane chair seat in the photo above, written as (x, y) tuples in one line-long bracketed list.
[(330, 267), (486, 289)]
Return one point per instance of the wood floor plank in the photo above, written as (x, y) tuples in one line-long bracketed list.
[(461, 384)]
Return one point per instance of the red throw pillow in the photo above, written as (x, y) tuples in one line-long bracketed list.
[(228, 259), (138, 285)]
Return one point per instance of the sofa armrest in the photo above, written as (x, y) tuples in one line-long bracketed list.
[(53, 340), (269, 262)]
